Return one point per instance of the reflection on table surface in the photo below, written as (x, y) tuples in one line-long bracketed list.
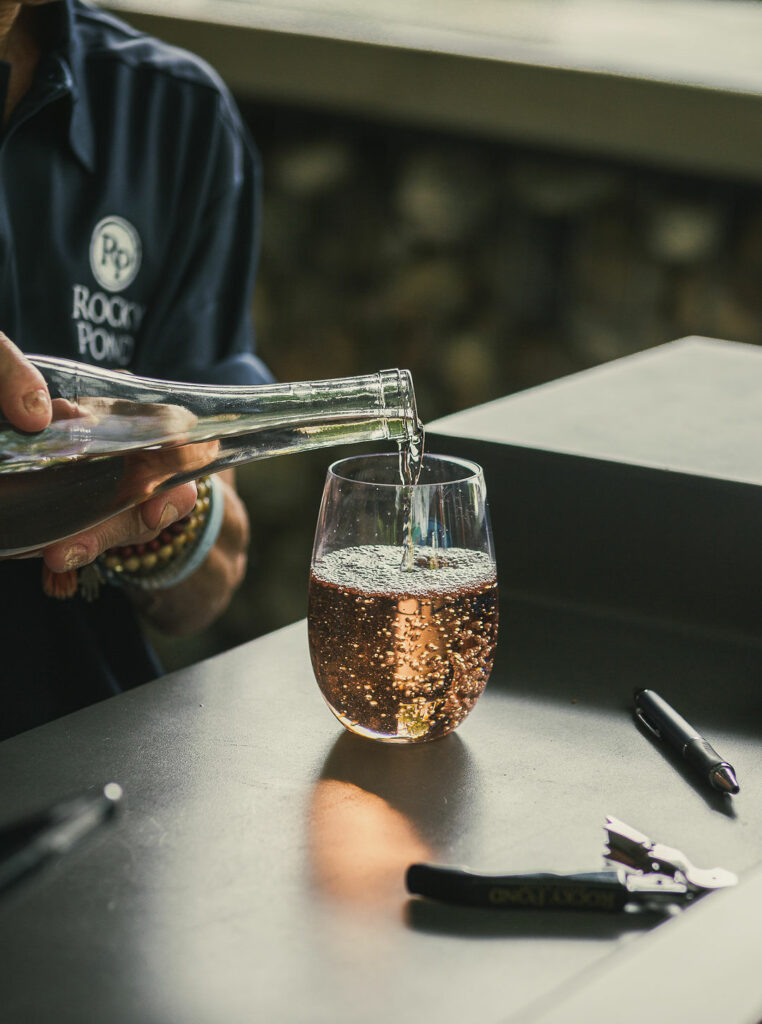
[(377, 809)]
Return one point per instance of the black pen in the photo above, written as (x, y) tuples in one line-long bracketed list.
[(29, 843), (662, 720)]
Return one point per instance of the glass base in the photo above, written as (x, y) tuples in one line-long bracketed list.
[(385, 737)]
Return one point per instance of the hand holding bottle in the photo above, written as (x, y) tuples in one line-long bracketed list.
[(143, 472), (25, 402), (136, 525)]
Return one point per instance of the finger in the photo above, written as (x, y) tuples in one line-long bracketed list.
[(24, 397), (166, 508), (134, 526)]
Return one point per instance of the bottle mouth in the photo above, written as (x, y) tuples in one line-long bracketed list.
[(383, 471), (397, 391)]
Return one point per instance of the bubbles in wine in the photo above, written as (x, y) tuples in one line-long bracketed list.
[(402, 655)]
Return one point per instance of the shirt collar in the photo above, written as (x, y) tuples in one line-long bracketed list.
[(67, 64)]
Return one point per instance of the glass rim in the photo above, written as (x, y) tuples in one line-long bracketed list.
[(472, 470)]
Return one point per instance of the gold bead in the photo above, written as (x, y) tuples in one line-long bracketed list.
[(179, 542), (165, 552), (113, 562), (132, 564), (149, 560)]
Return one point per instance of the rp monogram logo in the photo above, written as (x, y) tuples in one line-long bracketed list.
[(115, 253)]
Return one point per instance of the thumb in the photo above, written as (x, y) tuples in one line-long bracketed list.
[(24, 396)]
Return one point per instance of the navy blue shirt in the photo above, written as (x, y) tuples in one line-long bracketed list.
[(129, 196)]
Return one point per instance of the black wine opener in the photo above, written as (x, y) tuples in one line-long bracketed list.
[(651, 876)]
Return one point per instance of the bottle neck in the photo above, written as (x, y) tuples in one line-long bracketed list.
[(116, 439), (388, 394)]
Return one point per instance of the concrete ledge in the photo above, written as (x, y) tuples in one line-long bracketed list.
[(689, 102), (629, 489)]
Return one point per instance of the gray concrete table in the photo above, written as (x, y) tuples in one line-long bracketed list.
[(256, 872)]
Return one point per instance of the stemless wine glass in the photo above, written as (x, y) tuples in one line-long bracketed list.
[(403, 596)]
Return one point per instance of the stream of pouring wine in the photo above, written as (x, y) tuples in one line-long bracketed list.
[(411, 458)]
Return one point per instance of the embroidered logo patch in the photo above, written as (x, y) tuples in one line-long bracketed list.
[(115, 253)]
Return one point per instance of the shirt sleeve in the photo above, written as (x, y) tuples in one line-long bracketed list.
[(199, 328)]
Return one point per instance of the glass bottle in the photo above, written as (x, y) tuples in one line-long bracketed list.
[(117, 439)]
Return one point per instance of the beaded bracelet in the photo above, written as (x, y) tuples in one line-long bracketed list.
[(178, 550), (135, 561)]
